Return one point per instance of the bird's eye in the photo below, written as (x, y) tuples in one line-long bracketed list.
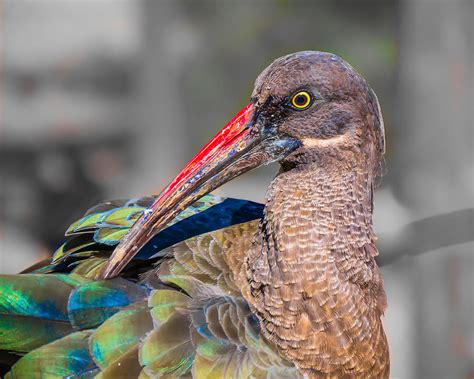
[(301, 100)]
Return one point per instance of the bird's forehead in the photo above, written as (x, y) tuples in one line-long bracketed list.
[(305, 69)]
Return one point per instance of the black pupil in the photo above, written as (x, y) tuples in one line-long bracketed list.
[(300, 100)]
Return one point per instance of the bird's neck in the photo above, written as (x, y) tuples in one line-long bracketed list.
[(314, 282)]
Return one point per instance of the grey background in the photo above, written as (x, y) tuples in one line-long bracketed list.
[(102, 99)]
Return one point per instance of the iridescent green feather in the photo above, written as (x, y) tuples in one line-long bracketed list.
[(199, 206), (89, 268), (164, 303), (92, 303), (123, 217), (85, 223), (168, 349), (125, 366), (68, 357), (65, 250), (33, 309), (173, 273), (109, 235), (120, 333)]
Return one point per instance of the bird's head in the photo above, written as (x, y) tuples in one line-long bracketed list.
[(320, 106), (306, 108)]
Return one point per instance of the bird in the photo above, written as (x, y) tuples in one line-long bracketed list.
[(187, 284)]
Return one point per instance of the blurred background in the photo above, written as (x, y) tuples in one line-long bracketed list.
[(103, 99)]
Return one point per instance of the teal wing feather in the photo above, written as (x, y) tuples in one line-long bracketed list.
[(68, 357), (33, 309), (91, 304)]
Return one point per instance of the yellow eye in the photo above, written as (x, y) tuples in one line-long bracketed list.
[(301, 100)]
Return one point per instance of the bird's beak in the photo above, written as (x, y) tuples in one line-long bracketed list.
[(238, 148)]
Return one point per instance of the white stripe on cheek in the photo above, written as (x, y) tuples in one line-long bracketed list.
[(318, 142)]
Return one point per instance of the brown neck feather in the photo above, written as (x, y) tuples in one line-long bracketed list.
[(314, 282)]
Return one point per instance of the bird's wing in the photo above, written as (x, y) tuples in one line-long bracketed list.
[(93, 238), (176, 312)]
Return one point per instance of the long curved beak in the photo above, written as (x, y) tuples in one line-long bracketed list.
[(236, 149)]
